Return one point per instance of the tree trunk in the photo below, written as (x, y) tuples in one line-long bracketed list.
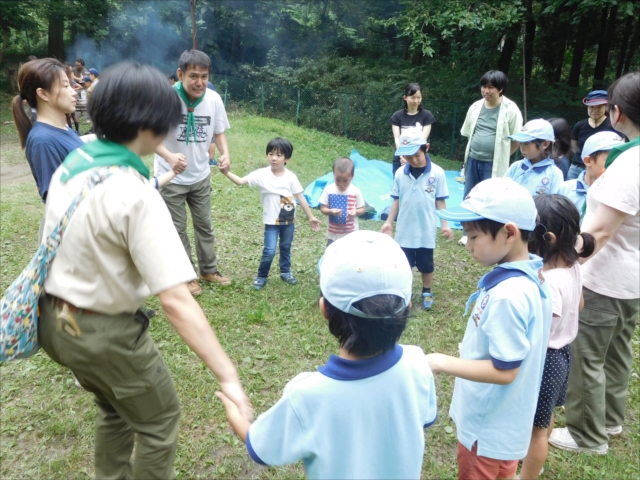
[(5, 41), (407, 44), (633, 46), (529, 38), (578, 53), (55, 45), (623, 47), (604, 46), (509, 47), (392, 33)]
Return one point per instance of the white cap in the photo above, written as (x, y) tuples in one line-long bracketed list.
[(601, 141), (537, 129), (499, 199), (410, 141), (361, 265)]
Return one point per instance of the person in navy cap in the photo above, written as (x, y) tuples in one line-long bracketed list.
[(598, 121)]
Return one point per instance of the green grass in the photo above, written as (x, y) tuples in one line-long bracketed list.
[(46, 424)]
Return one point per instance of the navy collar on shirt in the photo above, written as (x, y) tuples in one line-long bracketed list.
[(538, 167), (497, 275), (581, 187), (407, 166), (343, 369)]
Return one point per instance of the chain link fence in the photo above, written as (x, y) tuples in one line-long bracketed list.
[(356, 116)]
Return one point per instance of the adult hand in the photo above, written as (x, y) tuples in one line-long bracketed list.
[(234, 391), (173, 159), (315, 224), (179, 167), (224, 170), (387, 228), (224, 163), (447, 232)]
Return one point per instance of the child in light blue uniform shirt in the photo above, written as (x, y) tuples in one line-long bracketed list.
[(363, 413), (419, 189), (537, 172), (504, 346), (594, 155)]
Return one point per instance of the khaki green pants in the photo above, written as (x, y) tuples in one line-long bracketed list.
[(198, 197), (601, 358), (132, 387)]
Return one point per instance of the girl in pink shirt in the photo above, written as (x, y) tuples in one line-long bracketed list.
[(554, 240)]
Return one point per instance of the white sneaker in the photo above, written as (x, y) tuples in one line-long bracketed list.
[(617, 430), (561, 438), (463, 241)]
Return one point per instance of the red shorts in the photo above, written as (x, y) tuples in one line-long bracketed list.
[(473, 467)]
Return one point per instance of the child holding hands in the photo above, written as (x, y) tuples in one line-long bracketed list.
[(341, 201), (278, 188)]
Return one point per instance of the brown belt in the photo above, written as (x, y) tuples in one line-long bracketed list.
[(72, 308)]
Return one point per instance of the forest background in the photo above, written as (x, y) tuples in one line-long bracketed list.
[(557, 50)]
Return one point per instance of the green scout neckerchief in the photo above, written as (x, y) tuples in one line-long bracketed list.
[(191, 106), (617, 151), (101, 153)]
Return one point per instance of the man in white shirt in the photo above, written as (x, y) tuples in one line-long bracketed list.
[(204, 121)]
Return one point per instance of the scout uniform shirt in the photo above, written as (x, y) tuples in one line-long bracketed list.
[(576, 190), (120, 245), (417, 223), (509, 325), (542, 178)]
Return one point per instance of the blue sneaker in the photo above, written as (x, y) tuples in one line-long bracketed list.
[(259, 282), (289, 278), (427, 300), (213, 162)]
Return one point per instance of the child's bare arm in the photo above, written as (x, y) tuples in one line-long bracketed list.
[(446, 231), (235, 178), (313, 221), (360, 211), (482, 371), (237, 421), (388, 225), (165, 178)]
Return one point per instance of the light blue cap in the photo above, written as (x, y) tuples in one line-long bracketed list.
[(601, 141), (537, 129), (410, 141), (361, 265), (499, 199)]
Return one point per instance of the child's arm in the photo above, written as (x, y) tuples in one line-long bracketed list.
[(313, 221), (325, 210), (239, 423), (356, 212), (163, 179), (387, 227), (446, 231), (233, 177), (483, 371)]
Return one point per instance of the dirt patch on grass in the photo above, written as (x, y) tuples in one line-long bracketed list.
[(15, 174)]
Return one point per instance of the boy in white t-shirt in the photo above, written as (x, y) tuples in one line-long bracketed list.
[(278, 187), (363, 413), (341, 201)]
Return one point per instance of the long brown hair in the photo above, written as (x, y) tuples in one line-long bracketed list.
[(40, 73)]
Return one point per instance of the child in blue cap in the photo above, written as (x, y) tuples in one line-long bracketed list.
[(363, 413), (594, 156), (537, 172), (503, 351), (419, 189)]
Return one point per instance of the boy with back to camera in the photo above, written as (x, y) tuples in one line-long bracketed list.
[(594, 155), (279, 190), (362, 414), (341, 201), (503, 351), (419, 189)]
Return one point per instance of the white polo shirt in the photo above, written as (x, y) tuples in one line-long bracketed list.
[(509, 325), (417, 224), (575, 190), (542, 178), (211, 119), (352, 419)]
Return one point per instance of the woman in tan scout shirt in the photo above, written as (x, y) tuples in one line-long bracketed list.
[(120, 247)]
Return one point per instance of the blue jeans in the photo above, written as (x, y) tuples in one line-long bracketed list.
[(475, 173), (574, 171), (271, 233)]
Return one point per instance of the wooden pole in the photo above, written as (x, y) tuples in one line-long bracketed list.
[(194, 28), (524, 72)]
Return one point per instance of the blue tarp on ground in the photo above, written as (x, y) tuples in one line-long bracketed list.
[(374, 179)]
